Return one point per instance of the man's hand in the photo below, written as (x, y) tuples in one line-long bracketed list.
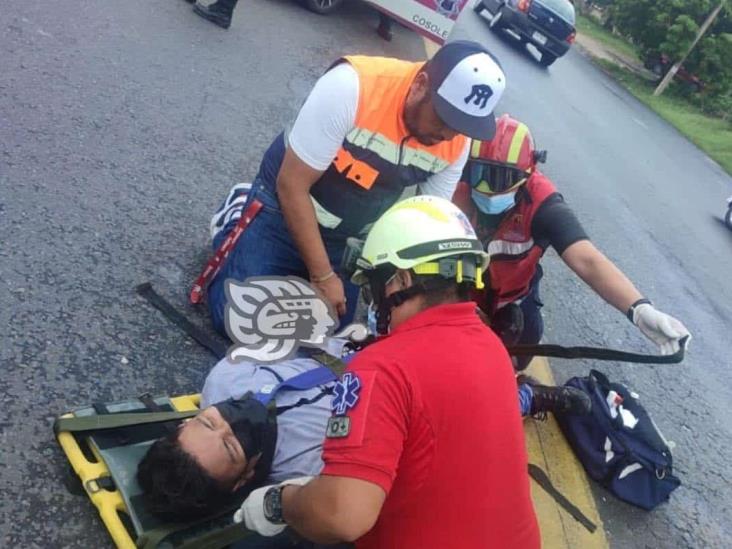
[(252, 513), (332, 290), (252, 510), (664, 330)]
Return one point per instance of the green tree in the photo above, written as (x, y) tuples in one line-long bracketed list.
[(669, 27)]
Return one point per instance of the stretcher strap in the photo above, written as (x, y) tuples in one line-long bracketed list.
[(217, 348), (222, 253), (597, 353), (215, 539), (332, 368), (114, 421), (301, 382), (542, 479), (334, 364)]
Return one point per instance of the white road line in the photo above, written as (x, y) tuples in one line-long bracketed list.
[(641, 124)]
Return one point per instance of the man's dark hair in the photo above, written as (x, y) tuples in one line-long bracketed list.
[(442, 291), (175, 487)]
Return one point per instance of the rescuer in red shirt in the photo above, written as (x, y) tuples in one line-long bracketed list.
[(517, 213), (426, 446)]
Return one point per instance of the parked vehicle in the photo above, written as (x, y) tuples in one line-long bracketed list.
[(661, 64), (323, 7), (547, 24), (728, 216)]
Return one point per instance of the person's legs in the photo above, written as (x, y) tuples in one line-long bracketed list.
[(533, 328), (264, 248), (525, 396), (384, 28), (537, 400)]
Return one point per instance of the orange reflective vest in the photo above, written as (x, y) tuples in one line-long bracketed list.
[(378, 158)]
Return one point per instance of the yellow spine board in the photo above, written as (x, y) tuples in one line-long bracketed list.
[(109, 503)]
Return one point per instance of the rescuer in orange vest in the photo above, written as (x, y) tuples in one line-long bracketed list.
[(370, 128)]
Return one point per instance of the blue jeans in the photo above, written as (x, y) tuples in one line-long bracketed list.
[(533, 321), (266, 248), (526, 397)]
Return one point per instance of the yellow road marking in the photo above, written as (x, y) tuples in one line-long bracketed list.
[(549, 450)]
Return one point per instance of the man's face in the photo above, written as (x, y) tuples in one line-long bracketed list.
[(209, 439), (420, 117)]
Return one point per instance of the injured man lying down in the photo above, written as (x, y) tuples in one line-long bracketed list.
[(267, 423), (235, 442)]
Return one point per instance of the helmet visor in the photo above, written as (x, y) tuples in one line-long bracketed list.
[(491, 178)]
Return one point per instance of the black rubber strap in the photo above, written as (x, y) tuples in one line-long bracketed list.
[(597, 353), (219, 538), (217, 348), (542, 479), (114, 421), (213, 539), (150, 404)]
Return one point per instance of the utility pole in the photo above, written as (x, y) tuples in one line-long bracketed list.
[(672, 71)]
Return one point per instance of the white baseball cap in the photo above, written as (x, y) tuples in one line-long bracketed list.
[(466, 83)]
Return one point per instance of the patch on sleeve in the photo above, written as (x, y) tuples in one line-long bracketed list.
[(338, 427), (346, 393), (350, 407)]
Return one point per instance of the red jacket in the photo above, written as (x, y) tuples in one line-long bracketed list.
[(514, 253)]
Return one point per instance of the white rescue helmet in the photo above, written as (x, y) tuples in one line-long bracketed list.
[(427, 234)]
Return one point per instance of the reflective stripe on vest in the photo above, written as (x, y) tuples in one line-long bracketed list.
[(506, 247), (378, 159), (513, 269)]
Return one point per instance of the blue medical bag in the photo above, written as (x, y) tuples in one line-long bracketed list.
[(626, 454)]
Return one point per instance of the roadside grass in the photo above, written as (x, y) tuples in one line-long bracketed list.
[(589, 27), (712, 135)]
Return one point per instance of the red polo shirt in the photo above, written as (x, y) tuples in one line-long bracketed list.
[(434, 420)]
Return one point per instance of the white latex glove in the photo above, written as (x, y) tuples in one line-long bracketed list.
[(664, 330), (252, 510)]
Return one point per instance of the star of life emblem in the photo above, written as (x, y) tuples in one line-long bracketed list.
[(346, 393)]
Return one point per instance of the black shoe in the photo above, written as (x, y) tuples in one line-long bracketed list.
[(558, 400), (215, 13)]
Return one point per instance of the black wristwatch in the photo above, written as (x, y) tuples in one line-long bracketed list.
[(273, 505), (631, 310)]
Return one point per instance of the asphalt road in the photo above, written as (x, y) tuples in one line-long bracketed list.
[(122, 127), (652, 202)]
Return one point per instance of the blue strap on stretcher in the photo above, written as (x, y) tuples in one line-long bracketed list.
[(300, 382)]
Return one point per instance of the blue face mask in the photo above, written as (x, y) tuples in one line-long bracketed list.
[(496, 204)]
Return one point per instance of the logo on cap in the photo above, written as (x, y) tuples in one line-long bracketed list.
[(479, 94)]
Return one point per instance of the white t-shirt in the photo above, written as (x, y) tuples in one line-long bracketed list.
[(329, 114), (301, 429)]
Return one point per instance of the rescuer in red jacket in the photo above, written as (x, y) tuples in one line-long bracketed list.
[(517, 213)]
